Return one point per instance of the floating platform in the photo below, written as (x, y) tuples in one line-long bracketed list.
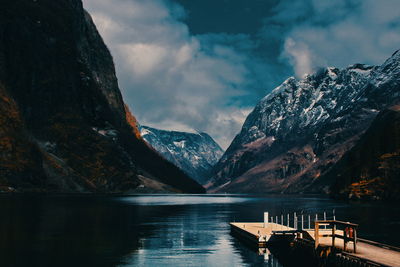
[(260, 234)]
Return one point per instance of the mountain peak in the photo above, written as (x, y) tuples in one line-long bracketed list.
[(194, 153), (302, 127)]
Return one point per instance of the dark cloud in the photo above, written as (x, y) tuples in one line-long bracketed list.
[(203, 64), (339, 33)]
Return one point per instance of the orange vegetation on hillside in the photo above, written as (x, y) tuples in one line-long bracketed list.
[(15, 151), (131, 120)]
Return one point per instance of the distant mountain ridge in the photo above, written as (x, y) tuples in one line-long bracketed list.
[(194, 153), (301, 129)]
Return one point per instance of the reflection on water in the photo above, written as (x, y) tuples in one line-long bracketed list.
[(269, 259), (159, 230), (167, 200)]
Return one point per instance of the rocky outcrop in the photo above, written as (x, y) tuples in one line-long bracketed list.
[(65, 127), (194, 153), (302, 128)]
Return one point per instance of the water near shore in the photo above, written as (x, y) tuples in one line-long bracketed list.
[(159, 230)]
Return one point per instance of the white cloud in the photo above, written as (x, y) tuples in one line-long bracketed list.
[(143, 58), (300, 57)]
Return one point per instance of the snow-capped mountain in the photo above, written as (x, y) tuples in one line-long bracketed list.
[(303, 127), (194, 153)]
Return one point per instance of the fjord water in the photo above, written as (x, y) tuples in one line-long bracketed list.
[(160, 230)]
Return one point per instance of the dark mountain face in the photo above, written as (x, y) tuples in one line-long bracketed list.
[(64, 126), (300, 130), (195, 154), (371, 169)]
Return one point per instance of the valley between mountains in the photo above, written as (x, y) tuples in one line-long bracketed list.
[(64, 125)]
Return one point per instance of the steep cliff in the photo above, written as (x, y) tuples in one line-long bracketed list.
[(303, 127), (65, 127), (194, 153), (371, 169)]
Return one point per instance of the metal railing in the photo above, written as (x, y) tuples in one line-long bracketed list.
[(298, 221)]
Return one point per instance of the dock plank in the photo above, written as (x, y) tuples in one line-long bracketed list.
[(258, 229)]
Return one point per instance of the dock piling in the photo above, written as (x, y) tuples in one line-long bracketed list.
[(265, 219)]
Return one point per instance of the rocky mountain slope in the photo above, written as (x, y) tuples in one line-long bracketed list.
[(63, 123), (195, 154), (302, 128), (371, 169)]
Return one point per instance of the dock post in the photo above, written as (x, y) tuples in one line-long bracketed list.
[(265, 219), (334, 216), (282, 220), (333, 234), (288, 219), (316, 233), (295, 221), (325, 219), (355, 239), (309, 222), (272, 223), (302, 222)]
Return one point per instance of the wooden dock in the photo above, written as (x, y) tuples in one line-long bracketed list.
[(329, 240)]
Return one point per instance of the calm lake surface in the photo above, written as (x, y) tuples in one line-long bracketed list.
[(160, 230)]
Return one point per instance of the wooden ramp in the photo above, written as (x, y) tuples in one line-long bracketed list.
[(381, 254), (377, 254)]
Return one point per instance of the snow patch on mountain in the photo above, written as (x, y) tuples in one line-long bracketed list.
[(322, 114), (194, 153)]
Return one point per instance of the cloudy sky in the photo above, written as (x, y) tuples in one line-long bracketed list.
[(202, 65)]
